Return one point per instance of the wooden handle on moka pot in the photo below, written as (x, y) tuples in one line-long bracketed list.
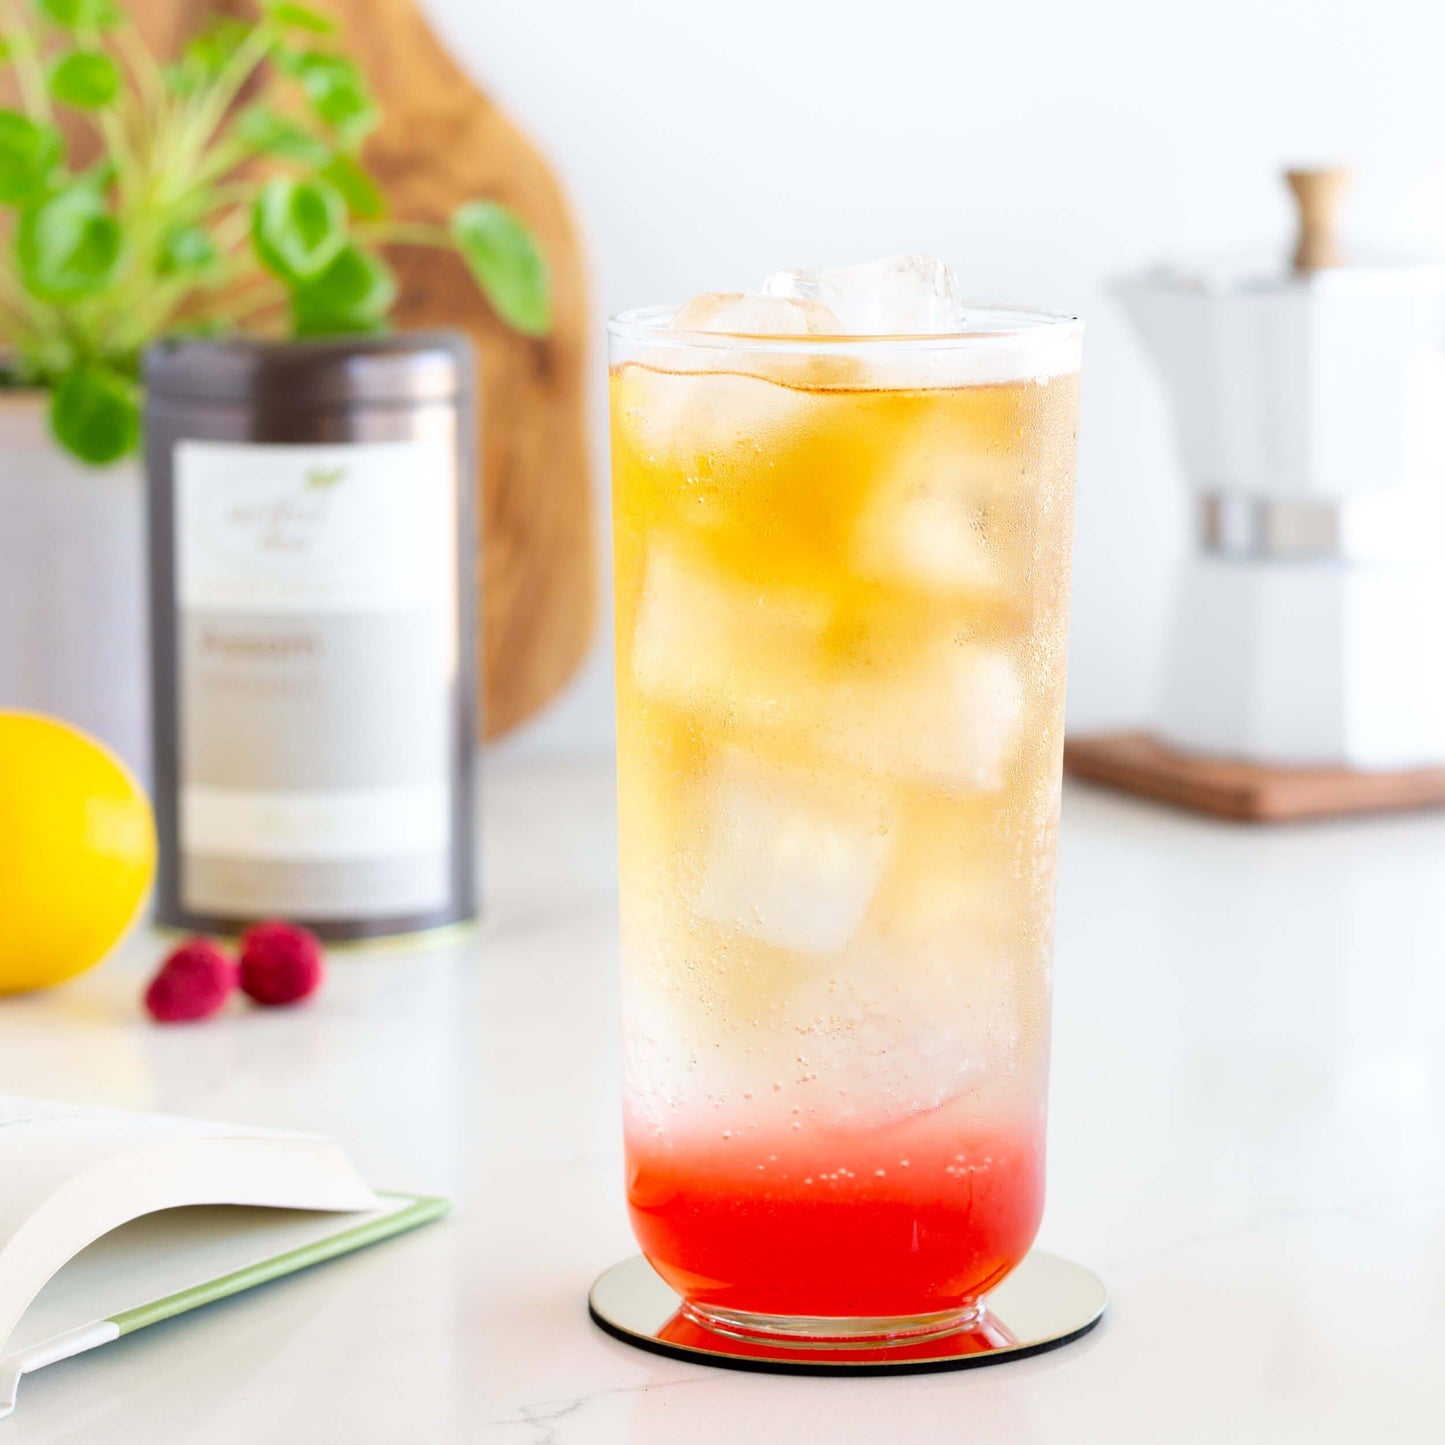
[(1317, 194)]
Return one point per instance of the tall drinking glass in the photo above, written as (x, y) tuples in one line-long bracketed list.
[(842, 571)]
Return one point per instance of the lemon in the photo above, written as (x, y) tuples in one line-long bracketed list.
[(77, 851)]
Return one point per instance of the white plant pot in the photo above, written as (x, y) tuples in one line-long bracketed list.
[(73, 641)]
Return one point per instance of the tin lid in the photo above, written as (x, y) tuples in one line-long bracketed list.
[(395, 369)]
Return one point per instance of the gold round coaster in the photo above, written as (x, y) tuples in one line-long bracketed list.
[(1046, 1302)]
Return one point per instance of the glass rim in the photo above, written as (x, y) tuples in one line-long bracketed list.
[(1006, 324)]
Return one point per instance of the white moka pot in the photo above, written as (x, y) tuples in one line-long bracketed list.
[(1310, 411), (72, 584)]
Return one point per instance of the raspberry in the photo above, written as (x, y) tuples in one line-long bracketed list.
[(281, 963), (194, 981)]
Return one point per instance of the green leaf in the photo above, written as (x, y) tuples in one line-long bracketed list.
[(86, 79), (205, 56), (298, 17), (207, 52), (505, 260), (336, 89), (354, 293), (29, 154), (179, 79), (7, 49), (99, 175), (81, 14), (297, 227), (186, 251), (69, 245), (363, 196), (277, 135), (95, 413)]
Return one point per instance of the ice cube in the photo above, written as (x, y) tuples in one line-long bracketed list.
[(948, 509), (787, 860), (699, 421), (948, 716), (899, 1034), (951, 879), (888, 1025), (706, 640), (900, 296), (928, 530), (736, 313)]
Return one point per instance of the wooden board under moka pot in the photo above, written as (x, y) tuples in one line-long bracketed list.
[(441, 142)]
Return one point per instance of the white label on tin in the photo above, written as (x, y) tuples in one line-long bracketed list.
[(346, 528), (343, 823), (317, 658)]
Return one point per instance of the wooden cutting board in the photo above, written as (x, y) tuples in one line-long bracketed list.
[(443, 141), (1246, 792)]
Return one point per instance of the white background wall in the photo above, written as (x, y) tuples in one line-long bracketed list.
[(1040, 149)]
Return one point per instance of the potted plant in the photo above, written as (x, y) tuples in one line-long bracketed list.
[(222, 190)]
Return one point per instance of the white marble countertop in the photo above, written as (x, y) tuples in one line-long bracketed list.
[(1247, 1142)]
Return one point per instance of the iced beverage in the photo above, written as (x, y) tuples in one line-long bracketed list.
[(842, 573)]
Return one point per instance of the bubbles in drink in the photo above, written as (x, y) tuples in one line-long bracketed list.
[(904, 1033)]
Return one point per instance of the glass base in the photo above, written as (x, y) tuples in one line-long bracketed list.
[(1046, 1302), (830, 1332)]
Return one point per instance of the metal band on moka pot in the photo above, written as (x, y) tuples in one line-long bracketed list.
[(1395, 526), (312, 554)]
